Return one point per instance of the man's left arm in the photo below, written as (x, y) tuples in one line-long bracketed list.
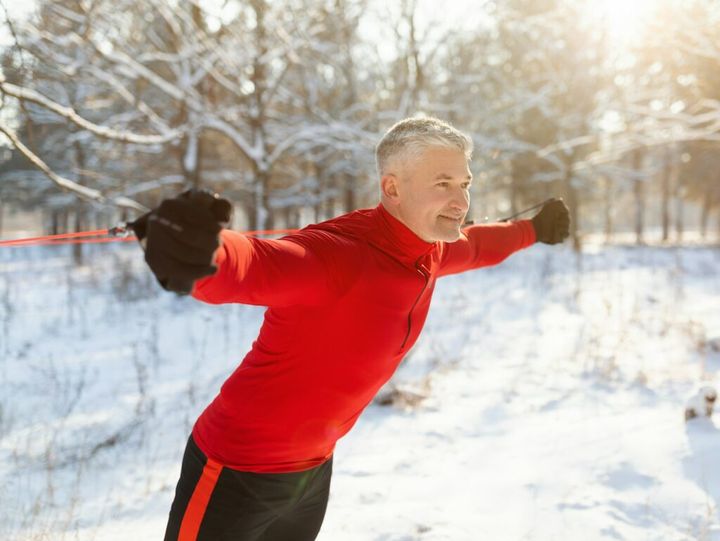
[(489, 244)]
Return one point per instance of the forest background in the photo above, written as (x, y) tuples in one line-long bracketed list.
[(614, 106)]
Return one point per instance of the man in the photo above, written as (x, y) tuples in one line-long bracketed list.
[(347, 299)]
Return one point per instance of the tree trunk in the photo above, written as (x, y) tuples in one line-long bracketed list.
[(679, 219), (319, 202), (514, 191), (679, 210), (415, 67), (608, 202), (329, 208), (54, 222), (666, 193), (199, 164), (262, 216), (350, 198), (571, 197), (79, 226), (317, 211), (287, 214), (705, 215), (191, 159), (79, 208), (639, 193), (573, 203), (262, 168)]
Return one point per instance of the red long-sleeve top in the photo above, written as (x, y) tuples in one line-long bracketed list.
[(347, 299)]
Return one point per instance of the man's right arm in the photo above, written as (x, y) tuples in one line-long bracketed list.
[(280, 272), (189, 252)]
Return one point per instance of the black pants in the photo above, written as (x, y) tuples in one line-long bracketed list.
[(215, 503)]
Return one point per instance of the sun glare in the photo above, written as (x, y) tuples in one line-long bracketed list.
[(626, 19)]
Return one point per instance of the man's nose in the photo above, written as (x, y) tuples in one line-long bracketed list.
[(460, 200)]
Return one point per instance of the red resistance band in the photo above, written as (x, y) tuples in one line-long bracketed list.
[(118, 234)]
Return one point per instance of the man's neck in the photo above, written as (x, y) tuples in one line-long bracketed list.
[(393, 211)]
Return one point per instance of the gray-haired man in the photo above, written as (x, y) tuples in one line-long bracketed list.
[(347, 299)]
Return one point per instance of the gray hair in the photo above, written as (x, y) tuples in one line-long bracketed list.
[(411, 136)]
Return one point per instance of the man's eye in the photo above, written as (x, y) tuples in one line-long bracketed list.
[(466, 185), (443, 184)]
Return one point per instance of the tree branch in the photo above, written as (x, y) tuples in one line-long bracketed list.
[(83, 192), (70, 114)]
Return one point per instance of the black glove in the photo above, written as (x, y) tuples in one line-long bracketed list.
[(181, 236), (552, 223)]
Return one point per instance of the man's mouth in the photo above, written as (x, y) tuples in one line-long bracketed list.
[(457, 220)]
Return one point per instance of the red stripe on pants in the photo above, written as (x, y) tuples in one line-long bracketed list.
[(195, 510)]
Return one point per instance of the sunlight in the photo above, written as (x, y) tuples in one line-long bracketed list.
[(626, 19)]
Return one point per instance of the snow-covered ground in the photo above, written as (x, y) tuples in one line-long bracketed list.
[(555, 392)]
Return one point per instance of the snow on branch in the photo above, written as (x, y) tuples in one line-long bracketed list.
[(187, 94), (83, 192), (69, 113), (566, 145), (253, 153), (111, 80), (123, 59)]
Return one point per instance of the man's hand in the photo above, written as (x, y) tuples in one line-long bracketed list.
[(180, 237), (552, 223)]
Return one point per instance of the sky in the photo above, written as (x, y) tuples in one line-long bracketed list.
[(16, 9), (623, 19), (461, 13)]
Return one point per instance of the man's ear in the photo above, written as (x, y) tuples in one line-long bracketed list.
[(389, 187)]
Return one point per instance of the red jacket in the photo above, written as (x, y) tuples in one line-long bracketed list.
[(347, 299)]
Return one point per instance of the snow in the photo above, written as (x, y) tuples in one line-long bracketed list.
[(555, 384), (70, 114)]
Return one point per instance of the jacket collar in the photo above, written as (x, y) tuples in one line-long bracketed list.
[(398, 240)]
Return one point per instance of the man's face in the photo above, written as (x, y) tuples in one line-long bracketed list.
[(433, 194)]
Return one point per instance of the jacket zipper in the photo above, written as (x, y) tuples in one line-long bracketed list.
[(426, 278)]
